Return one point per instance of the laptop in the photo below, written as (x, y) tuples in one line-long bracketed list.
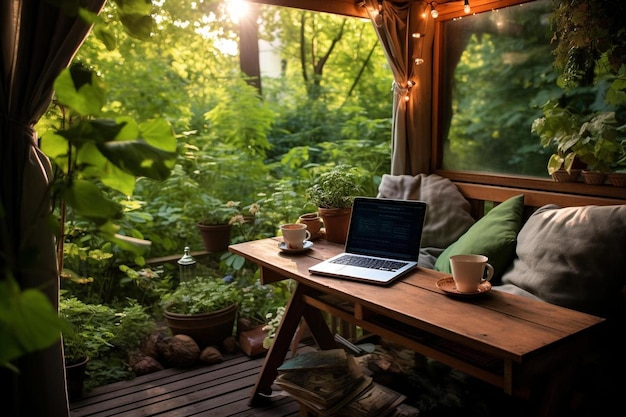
[(383, 241)]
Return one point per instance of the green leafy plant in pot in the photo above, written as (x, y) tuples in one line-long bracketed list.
[(333, 193), (600, 146), (559, 127), (215, 222), (204, 308), (83, 339)]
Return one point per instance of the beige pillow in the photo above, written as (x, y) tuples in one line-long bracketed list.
[(448, 214)]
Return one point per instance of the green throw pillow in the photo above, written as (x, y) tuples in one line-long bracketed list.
[(494, 236)]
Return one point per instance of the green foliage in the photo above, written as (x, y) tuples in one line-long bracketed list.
[(241, 118), (585, 122), (95, 152), (273, 319), (99, 332), (28, 321), (202, 294), (258, 300), (586, 31), (335, 188), (503, 72), (602, 143), (559, 128)]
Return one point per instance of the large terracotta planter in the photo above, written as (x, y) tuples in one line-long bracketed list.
[(336, 222), (207, 329), (216, 238)]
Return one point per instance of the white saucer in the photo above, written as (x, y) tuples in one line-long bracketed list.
[(447, 285), (307, 245)]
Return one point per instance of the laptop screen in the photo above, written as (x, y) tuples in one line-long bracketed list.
[(386, 228)]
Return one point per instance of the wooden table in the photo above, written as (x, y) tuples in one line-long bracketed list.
[(509, 341)]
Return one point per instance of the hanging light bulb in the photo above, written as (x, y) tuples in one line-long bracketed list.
[(434, 13), (466, 7)]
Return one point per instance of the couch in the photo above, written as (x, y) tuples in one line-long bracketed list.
[(567, 249)]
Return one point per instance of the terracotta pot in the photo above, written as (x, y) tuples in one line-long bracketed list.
[(75, 376), (313, 224), (563, 176), (618, 179), (593, 177), (336, 222), (216, 238), (207, 329)]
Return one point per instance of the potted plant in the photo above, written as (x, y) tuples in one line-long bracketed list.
[(618, 176), (204, 308), (215, 221), (559, 127), (83, 339), (333, 193), (599, 147)]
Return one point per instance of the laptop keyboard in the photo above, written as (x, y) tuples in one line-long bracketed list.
[(371, 263)]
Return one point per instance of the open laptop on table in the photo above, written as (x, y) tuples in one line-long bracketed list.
[(383, 241)]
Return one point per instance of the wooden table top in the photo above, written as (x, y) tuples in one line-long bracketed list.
[(508, 326)]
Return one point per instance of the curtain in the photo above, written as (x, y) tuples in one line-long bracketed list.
[(395, 23), (37, 41)]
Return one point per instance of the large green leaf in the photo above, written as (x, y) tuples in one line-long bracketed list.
[(139, 158), (99, 130), (96, 165), (87, 200), (28, 321), (159, 133), (81, 90)]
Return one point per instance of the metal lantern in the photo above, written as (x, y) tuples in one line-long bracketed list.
[(186, 266)]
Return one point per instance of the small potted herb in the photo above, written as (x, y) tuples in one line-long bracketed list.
[(333, 193), (215, 222)]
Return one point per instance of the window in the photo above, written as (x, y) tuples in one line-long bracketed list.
[(496, 70)]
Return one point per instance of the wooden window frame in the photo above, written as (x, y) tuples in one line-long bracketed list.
[(495, 179)]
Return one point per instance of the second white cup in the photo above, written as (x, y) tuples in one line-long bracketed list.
[(469, 271), (294, 235)]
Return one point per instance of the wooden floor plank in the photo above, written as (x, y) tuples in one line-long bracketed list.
[(220, 390)]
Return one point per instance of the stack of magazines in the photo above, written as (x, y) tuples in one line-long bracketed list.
[(331, 383)]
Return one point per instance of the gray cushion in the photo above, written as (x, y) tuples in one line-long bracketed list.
[(448, 214), (573, 257)]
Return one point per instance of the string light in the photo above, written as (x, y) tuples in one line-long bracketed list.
[(433, 12)]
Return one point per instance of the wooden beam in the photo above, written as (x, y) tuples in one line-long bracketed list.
[(341, 7)]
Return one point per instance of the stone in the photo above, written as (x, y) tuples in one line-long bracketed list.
[(142, 364), (211, 355), (179, 351)]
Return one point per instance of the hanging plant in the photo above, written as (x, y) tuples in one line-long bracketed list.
[(584, 31)]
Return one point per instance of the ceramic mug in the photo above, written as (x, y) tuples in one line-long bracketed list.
[(295, 234), (469, 271)]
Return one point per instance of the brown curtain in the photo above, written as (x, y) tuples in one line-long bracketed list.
[(37, 40), (395, 23)]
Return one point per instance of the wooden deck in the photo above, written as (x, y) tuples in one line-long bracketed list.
[(218, 390)]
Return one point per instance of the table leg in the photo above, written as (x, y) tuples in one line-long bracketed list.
[(282, 341), (320, 331)]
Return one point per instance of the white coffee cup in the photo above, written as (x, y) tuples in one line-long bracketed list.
[(468, 271), (295, 234)]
